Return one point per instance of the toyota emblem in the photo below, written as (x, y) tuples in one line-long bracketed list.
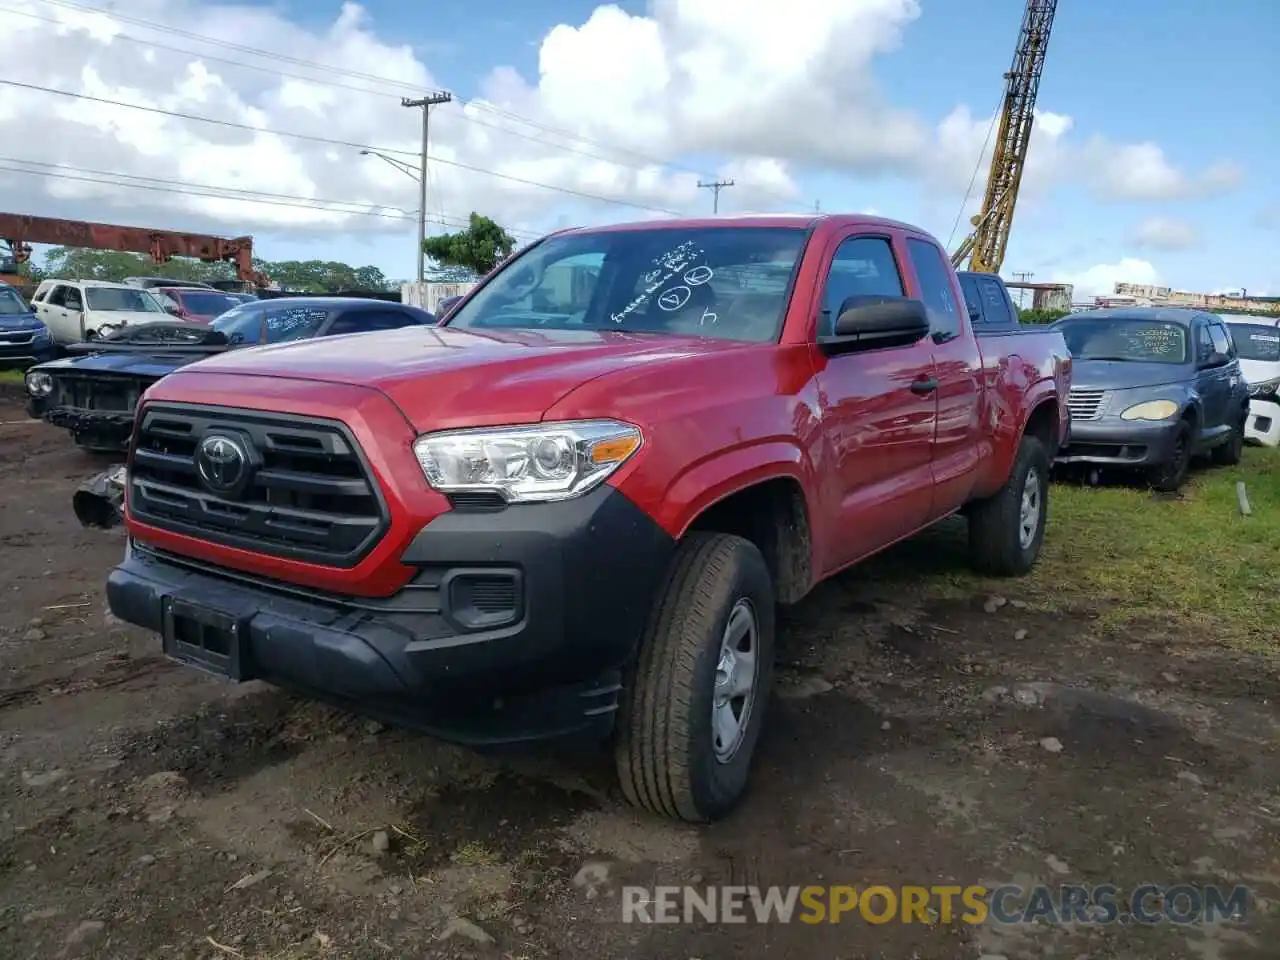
[(222, 462)]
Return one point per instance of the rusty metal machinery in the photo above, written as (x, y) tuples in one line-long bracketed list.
[(20, 231), (986, 246)]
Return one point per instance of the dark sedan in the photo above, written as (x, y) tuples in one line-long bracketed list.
[(1152, 388), (94, 396)]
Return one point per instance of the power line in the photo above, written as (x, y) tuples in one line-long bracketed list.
[(163, 185), (330, 141), (381, 94), (354, 74)]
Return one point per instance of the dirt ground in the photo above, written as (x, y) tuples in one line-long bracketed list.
[(920, 737)]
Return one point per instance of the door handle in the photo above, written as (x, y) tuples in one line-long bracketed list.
[(925, 386)]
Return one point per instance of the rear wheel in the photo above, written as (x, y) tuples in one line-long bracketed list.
[(694, 702), (1169, 476), (1006, 530), (1230, 453)]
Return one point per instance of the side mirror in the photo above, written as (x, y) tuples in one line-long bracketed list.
[(870, 323), (1214, 359), (172, 309), (974, 313)]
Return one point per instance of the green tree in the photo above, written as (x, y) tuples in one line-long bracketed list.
[(1040, 315), (481, 247)]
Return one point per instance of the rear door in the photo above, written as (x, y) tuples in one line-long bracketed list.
[(960, 434), (877, 423)]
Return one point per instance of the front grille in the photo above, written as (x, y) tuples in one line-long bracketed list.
[(1085, 404), (308, 493), (98, 392), (13, 338)]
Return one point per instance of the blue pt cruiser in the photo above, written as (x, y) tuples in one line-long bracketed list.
[(1152, 387)]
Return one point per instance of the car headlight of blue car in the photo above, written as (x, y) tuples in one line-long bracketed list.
[(1151, 410)]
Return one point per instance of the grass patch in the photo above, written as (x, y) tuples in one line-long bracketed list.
[(12, 376), (1194, 562)]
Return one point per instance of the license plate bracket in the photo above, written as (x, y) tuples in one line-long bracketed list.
[(207, 638)]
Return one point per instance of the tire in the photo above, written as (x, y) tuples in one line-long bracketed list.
[(999, 542), (666, 749), (1232, 452), (1168, 477)]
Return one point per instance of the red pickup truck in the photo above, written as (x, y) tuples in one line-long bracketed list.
[(570, 509)]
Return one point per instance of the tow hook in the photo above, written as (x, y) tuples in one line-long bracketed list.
[(99, 501)]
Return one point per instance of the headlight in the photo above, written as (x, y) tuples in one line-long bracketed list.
[(539, 462), (1151, 410), (39, 384), (40, 335), (1265, 388)]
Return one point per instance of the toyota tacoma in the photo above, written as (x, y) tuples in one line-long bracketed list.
[(569, 510)]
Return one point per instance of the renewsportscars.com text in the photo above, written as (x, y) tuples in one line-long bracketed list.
[(974, 904)]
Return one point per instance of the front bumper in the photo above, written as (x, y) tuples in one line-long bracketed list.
[(1263, 424), (105, 430), (20, 356), (516, 625), (1120, 443)]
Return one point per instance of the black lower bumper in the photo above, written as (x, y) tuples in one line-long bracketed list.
[(1120, 443), (22, 356), (107, 431), (516, 625)]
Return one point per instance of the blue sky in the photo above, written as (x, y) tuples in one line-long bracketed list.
[(1197, 80), (1138, 71)]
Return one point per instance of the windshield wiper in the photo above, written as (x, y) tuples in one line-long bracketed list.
[(1123, 359)]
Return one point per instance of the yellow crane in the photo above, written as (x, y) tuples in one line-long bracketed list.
[(985, 247)]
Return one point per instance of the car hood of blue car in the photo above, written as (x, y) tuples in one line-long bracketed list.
[(20, 321), (1125, 374), (125, 364)]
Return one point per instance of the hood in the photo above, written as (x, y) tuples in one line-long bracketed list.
[(441, 378), (1124, 374), (19, 321), (121, 364), (130, 317), (1253, 371)]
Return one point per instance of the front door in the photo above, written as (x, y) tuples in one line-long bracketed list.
[(878, 413), (1211, 381)]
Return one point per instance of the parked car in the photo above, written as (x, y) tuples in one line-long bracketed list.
[(1258, 346), (24, 339), (990, 307), (569, 510), (94, 395), (196, 304), (1152, 387), (79, 310), (149, 283)]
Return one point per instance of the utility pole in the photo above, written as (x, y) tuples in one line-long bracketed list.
[(817, 206), (715, 187), (1023, 276), (425, 103)]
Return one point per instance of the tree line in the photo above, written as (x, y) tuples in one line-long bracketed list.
[(478, 249)]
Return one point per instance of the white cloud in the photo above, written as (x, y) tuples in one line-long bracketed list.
[(1165, 233), (756, 94), (1101, 279)]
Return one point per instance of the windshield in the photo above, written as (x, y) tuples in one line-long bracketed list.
[(208, 304), (121, 298), (11, 304), (1123, 338), (285, 321), (1256, 342), (727, 282)]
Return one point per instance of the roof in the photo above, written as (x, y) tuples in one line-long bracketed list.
[(1177, 315), (801, 221)]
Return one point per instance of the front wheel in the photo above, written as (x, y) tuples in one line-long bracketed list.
[(1169, 476), (694, 704), (1006, 530)]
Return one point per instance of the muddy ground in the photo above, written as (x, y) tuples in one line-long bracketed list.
[(921, 738)]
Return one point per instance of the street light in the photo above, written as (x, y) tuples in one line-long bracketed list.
[(412, 174), (400, 165)]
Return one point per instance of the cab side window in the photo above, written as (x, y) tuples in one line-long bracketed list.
[(934, 274), (862, 266)]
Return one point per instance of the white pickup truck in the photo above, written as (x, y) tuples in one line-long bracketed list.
[(76, 310)]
